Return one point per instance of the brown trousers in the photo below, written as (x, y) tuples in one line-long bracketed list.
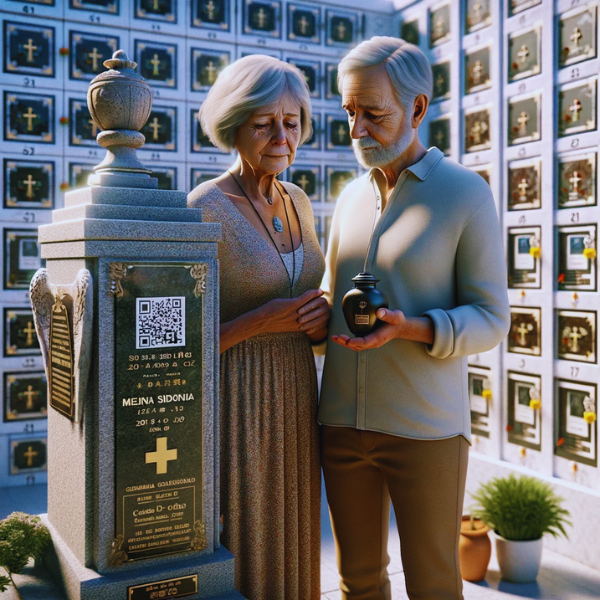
[(425, 480)]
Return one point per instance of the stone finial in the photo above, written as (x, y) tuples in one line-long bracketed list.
[(120, 101)]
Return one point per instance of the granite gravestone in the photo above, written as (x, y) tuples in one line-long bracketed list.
[(126, 312)]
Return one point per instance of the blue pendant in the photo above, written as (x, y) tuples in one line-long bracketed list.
[(277, 224)]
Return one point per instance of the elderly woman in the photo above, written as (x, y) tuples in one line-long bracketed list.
[(271, 311)]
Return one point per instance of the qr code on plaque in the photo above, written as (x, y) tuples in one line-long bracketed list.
[(160, 322)]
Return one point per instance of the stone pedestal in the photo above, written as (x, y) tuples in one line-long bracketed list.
[(127, 316)]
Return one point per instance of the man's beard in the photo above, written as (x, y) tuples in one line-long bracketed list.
[(370, 153)]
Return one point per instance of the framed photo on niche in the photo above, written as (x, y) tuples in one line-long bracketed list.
[(524, 423), (524, 269), (577, 258)]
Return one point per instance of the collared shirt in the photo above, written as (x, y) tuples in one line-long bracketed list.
[(437, 250)]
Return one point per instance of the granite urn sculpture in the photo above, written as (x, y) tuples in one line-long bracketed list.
[(127, 315)]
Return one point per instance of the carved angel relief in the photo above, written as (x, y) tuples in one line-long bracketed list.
[(63, 316)]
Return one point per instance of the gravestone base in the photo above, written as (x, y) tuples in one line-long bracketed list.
[(76, 582)]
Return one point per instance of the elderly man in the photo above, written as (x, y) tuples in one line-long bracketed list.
[(394, 405)]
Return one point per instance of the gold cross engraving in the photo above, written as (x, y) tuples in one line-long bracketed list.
[(440, 137), (30, 115), (210, 9), (575, 108), (477, 71), (29, 182), (30, 455), (261, 18), (31, 395), (439, 26), (161, 456), (524, 329), (155, 62), (440, 81), (94, 55), (522, 121), (523, 187), (342, 133), (478, 129), (155, 126), (29, 331), (341, 29), (303, 182), (523, 53), (576, 37), (155, 5), (303, 25), (575, 179), (212, 72), (576, 334), (30, 49)]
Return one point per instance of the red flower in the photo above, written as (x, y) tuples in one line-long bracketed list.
[(561, 278), (560, 441), (64, 51), (515, 66), (566, 50), (64, 186), (567, 118), (509, 427), (64, 120)]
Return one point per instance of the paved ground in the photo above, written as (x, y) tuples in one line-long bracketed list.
[(560, 578)]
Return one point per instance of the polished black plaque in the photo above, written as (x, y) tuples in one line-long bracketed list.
[(60, 369), (158, 410), (25, 396), (169, 588)]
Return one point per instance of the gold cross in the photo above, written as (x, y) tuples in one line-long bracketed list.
[(524, 330), (303, 25), (212, 70), (262, 18), (29, 331), (342, 133), (440, 81), (303, 182), (30, 394), (155, 126), (476, 131), (575, 108), (30, 49), (162, 456), (29, 182), (341, 30), (440, 137), (523, 186), (93, 127), (155, 6), (576, 36), (575, 336), (477, 71), (522, 121), (523, 53), (94, 55), (30, 455), (575, 179), (155, 62), (210, 9), (30, 115)]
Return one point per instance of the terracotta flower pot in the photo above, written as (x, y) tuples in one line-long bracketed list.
[(474, 549)]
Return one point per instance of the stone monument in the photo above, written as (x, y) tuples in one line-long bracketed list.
[(126, 311)]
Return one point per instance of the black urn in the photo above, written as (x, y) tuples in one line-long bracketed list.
[(360, 305)]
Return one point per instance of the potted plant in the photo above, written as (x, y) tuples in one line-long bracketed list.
[(474, 548), (520, 510)]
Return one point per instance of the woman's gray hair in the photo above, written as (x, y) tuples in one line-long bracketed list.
[(405, 63), (246, 85)]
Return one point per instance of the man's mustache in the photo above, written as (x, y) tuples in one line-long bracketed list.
[(366, 142)]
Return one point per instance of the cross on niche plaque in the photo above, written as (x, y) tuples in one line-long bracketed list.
[(522, 121), (162, 456), (31, 48), (575, 108), (576, 36), (523, 53)]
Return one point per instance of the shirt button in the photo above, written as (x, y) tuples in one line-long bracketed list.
[(362, 359)]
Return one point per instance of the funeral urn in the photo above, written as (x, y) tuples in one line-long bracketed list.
[(360, 305)]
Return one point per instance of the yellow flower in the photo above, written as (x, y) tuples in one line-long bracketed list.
[(589, 252), (589, 416), (487, 394), (535, 251), (535, 404)]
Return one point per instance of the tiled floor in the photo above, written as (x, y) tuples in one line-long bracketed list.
[(560, 578)]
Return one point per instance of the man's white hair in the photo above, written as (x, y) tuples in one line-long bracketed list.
[(245, 86), (405, 63)]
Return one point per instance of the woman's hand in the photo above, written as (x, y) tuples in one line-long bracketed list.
[(305, 313)]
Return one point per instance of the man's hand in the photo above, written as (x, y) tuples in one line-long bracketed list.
[(395, 323)]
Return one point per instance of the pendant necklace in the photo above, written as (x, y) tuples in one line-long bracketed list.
[(278, 226)]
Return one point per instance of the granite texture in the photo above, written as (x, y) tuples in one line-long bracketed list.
[(582, 503), (126, 196), (116, 211), (128, 230)]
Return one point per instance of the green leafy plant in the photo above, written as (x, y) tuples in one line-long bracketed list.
[(22, 537), (520, 508)]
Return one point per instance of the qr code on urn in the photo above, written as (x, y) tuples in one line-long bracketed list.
[(160, 322)]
